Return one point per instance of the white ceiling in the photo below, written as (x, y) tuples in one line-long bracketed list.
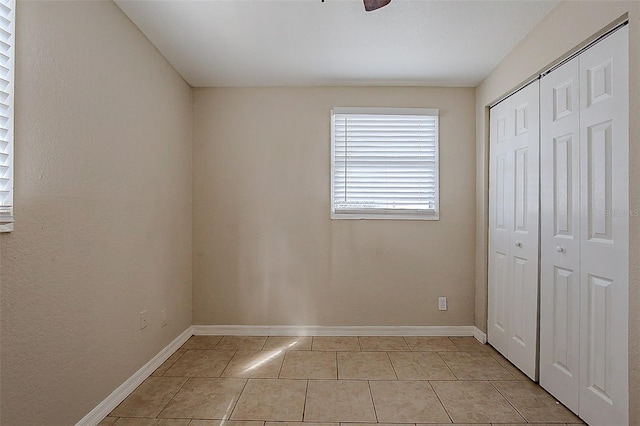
[(309, 43)]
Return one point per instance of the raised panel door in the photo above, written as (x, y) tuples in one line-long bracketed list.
[(560, 233), (604, 279)]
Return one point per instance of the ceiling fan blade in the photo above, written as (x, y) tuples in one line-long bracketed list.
[(370, 5)]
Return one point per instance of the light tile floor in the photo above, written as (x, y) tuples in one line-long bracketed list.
[(326, 381)]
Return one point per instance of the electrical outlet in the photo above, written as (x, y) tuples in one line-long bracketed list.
[(442, 303), (143, 319), (163, 317)]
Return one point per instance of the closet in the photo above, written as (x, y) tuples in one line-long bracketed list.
[(513, 242), (559, 223), (584, 231)]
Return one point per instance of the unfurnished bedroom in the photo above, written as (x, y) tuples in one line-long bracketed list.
[(319, 212)]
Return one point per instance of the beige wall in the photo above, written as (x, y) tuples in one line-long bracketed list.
[(103, 209), (567, 26), (265, 249)]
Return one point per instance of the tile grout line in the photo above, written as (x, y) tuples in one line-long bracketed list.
[(284, 357), (304, 405), (218, 343), (448, 366), (407, 343), (164, 407), (392, 367), (498, 361), (505, 368), (440, 401), (172, 364), (508, 401), (227, 364), (373, 403), (238, 400), (338, 366)]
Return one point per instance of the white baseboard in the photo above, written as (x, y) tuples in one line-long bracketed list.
[(480, 335), (101, 411), (315, 330)]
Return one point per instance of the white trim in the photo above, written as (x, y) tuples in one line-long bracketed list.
[(386, 111), (480, 335), (417, 215), (101, 411), (317, 330)]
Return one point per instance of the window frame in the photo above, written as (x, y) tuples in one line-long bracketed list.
[(7, 218), (386, 213)]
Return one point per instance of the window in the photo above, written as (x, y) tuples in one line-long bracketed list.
[(7, 61), (384, 163)]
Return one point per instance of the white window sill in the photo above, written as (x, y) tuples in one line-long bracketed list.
[(378, 216)]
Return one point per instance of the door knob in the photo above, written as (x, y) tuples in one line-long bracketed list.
[(518, 244), (560, 249)]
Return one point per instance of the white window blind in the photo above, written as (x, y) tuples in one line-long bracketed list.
[(384, 163), (7, 61)]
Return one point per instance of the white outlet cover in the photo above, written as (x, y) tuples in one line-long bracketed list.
[(163, 318), (143, 320), (442, 303)]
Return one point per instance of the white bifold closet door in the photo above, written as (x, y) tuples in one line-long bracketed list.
[(584, 230), (513, 228), (560, 232)]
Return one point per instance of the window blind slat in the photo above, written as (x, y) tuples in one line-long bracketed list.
[(396, 187), (355, 148)]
